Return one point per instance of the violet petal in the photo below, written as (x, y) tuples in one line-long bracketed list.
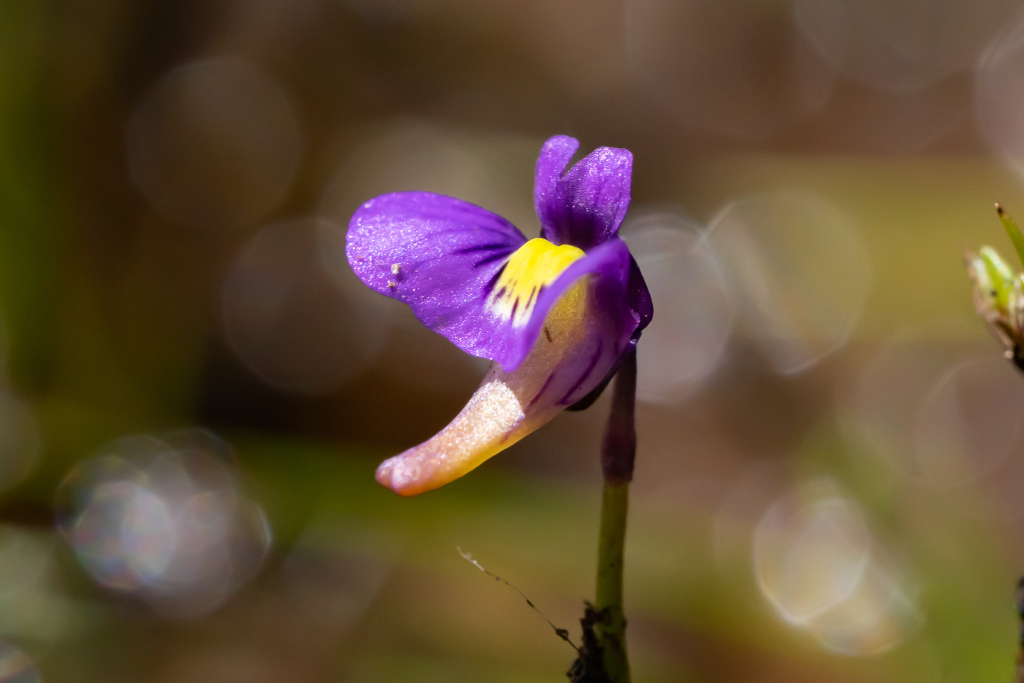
[(585, 206), (582, 331), (439, 255)]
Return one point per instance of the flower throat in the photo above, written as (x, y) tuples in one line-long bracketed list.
[(533, 266)]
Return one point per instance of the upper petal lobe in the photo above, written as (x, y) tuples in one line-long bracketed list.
[(585, 206)]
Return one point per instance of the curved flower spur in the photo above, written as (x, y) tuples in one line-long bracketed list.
[(556, 314)]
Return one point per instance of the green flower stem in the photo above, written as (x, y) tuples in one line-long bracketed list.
[(617, 456), (611, 627)]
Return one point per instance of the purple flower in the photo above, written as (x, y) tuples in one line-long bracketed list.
[(555, 314)]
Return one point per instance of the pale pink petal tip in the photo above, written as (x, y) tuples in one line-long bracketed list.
[(388, 476)]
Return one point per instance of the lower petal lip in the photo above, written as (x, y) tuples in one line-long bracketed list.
[(383, 475), (396, 474), (492, 420)]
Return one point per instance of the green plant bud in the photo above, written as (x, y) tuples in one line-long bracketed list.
[(999, 275)]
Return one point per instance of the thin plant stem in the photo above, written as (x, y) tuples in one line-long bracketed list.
[(1019, 671), (617, 456), (610, 627)]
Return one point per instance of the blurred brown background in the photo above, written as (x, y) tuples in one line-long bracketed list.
[(196, 389)]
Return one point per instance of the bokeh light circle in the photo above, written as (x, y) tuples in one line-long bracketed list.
[(126, 516), (901, 45), (968, 436), (685, 342), (164, 520), (818, 564), (214, 145), (810, 551), (883, 403), (971, 423), (942, 408), (999, 96), (288, 320), (799, 271)]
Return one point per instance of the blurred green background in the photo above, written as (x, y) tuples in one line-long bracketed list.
[(829, 473)]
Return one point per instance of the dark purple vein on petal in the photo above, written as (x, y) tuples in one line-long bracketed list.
[(582, 378), (543, 388)]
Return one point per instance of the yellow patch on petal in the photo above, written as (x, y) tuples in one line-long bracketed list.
[(534, 265)]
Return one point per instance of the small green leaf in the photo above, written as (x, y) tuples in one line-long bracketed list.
[(1013, 231), (1000, 276)]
